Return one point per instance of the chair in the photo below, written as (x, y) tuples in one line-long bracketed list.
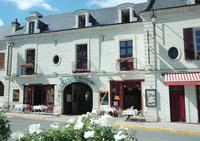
[(141, 116), (130, 112)]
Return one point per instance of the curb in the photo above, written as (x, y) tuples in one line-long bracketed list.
[(161, 129)]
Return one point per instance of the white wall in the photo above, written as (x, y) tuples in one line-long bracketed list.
[(104, 51), (191, 104)]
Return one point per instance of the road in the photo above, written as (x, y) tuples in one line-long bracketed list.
[(142, 135)]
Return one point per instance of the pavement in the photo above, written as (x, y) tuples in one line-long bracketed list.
[(178, 128)]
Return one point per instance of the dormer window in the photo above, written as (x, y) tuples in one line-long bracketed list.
[(31, 27), (125, 16), (81, 21)]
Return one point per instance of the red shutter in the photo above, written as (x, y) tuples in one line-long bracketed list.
[(189, 43), (2, 60)]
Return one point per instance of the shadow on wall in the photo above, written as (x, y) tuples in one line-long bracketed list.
[(20, 61), (163, 59)]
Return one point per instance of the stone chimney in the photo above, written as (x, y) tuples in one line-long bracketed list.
[(15, 25)]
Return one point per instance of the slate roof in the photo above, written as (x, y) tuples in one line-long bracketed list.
[(104, 16), (160, 4)]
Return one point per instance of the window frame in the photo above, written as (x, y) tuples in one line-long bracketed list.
[(79, 58), (128, 17), (31, 27), (82, 25), (197, 57), (126, 48), (2, 66)]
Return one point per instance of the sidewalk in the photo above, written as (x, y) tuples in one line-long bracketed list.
[(181, 128)]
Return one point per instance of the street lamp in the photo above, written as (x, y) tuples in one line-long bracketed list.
[(153, 18)]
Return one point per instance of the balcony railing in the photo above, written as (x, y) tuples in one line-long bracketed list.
[(126, 64), (27, 69), (80, 67)]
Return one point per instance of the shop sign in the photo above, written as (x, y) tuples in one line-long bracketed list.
[(150, 95), (75, 79)]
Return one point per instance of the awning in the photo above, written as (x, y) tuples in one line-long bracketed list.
[(187, 79)]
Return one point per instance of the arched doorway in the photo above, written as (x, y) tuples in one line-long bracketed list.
[(1, 89), (77, 99)]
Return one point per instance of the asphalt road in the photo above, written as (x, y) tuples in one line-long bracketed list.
[(142, 135)]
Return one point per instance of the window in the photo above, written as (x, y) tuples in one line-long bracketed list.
[(31, 27), (30, 58), (125, 16), (2, 60), (81, 57), (16, 95), (126, 49), (126, 55), (173, 53), (81, 21), (197, 38), (29, 67), (1, 89), (56, 59)]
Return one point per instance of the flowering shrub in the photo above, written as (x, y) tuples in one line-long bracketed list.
[(4, 127), (86, 128)]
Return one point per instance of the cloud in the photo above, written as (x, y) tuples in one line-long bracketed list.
[(110, 3), (1, 23), (27, 4)]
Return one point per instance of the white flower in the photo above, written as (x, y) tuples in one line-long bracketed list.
[(66, 126), (54, 125), (79, 124), (89, 134), (106, 121), (119, 136), (35, 128), (17, 135), (71, 121)]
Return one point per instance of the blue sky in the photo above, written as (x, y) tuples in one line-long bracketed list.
[(11, 9)]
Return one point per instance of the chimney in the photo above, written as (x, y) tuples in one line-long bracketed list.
[(15, 25)]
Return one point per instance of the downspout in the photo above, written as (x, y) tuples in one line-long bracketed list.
[(9, 70)]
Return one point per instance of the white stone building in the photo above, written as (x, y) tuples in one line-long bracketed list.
[(66, 65), (112, 57), (173, 43)]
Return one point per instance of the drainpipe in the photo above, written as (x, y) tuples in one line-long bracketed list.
[(9, 69), (154, 20)]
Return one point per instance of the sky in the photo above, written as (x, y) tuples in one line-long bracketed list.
[(11, 9)]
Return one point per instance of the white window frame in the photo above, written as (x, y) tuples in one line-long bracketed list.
[(195, 44), (131, 16)]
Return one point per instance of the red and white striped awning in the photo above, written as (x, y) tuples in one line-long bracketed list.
[(182, 79)]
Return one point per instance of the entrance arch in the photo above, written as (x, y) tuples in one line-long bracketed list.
[(77, 98)]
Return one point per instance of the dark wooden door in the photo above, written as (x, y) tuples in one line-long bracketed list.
[(177, 103), (78, 99)]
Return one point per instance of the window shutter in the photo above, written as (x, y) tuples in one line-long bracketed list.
[(2, 60), (188, 37)]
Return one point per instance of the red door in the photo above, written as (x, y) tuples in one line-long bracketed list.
[(198, 101), (177, 103)]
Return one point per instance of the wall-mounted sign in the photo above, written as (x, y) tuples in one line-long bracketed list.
[(16, 95), (150, 95), (74, 79)]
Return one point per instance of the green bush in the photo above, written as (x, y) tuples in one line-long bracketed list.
[(87, 128), (5, 130)]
